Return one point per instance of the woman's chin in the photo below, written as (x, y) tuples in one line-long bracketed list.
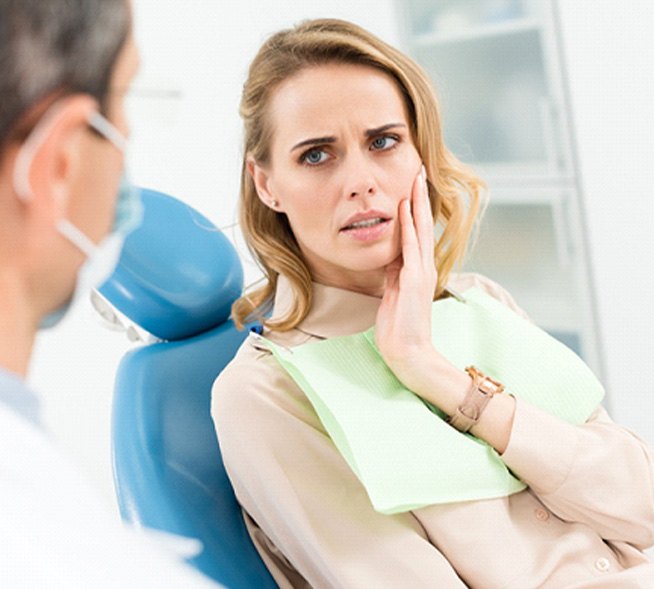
[(362, 266)]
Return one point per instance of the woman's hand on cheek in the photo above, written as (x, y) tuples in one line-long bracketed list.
[(403, 327)]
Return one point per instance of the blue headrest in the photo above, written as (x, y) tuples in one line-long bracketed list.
[(178, 274)]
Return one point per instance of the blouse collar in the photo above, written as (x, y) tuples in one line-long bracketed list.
[(334, 311)]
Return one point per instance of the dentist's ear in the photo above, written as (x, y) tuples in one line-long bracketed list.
[(261, 181), (46, 165)]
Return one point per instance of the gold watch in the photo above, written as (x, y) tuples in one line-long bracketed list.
[(481, 391)]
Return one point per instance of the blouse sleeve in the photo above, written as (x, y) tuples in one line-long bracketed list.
[(291, 480), (597, 473)]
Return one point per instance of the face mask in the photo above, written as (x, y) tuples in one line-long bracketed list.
[(101, 259)]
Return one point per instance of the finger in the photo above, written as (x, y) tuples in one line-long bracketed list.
[(424, 223), (410, 248), (423, 219)]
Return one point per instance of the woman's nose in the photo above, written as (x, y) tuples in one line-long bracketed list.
[(367, 189), (359, 178)]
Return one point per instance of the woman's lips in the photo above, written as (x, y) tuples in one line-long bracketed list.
[(367, 231)]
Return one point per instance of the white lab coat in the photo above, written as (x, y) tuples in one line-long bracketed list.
[(57, 533)]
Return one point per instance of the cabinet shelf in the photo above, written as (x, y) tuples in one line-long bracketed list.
[(524, 195), (521, 173), (496, 30)]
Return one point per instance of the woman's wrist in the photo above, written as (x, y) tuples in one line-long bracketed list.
[(432, 377)]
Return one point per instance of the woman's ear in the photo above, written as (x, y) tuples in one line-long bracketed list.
[(261, 180)]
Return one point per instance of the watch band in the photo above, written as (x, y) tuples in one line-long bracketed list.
[(481, 391)]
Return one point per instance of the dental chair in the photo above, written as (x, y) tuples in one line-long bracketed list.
[(177, 278)]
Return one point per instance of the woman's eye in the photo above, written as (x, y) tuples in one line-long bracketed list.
[(314, 157), (383, 143)]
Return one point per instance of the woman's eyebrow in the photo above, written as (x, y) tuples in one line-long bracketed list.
[(379, 130), (314, 141), (331, 139)]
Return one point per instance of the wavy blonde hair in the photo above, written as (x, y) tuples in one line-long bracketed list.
[(454, 192)]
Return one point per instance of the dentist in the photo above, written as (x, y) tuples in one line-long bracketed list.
[(65, 208)]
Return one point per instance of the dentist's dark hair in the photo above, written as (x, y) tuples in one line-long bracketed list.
[(55, 48)]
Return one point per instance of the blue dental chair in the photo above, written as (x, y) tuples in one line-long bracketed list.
[(177, 278)]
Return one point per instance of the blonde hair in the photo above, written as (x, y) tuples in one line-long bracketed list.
[(268, 233)]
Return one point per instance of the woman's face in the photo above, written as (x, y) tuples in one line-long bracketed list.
[(342, 159)]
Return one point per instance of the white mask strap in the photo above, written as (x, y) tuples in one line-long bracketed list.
[(108, 130), (76, 237)]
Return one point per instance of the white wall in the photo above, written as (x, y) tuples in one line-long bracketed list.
[(609, 53), (190, 147)]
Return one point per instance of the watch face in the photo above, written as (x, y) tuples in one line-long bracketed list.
[(491, 386), (488, 387), (485, 383)]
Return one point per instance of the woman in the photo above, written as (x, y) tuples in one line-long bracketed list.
[(345, 176)]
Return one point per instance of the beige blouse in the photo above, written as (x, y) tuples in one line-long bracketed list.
[(583, 521)]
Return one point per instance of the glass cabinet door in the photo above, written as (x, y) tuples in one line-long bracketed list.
[(534, 251), (495, 66), (491, 71)]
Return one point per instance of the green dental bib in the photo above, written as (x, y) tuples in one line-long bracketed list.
[(401, 449)]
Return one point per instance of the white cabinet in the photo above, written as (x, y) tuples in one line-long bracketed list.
[(496, 68)]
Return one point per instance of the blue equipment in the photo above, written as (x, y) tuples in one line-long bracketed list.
[(177, 278)]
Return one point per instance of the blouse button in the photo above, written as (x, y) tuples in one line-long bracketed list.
[(602, 564), (542, 515)]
